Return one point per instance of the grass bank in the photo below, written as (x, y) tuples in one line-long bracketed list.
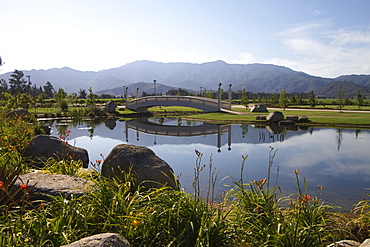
[(316, 117), (250, 213)]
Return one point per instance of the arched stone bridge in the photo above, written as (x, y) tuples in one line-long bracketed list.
[(205, 104)]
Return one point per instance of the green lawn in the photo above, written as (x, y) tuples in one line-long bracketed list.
[(316, 117)]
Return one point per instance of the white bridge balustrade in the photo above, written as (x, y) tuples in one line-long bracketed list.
[(205, 104)]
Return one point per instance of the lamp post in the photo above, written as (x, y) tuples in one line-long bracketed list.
[(219, 96), (230, 96), (126, 92), (200, 92), (155, 91), (137, 92)]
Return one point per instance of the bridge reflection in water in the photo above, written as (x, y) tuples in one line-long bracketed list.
[(145, 126)]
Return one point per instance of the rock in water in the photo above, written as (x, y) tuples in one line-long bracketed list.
[(141, 162), (275, 117), (43, 147)]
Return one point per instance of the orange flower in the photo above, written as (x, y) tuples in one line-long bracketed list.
[(296, 171), (135, 223), (23, 186), (99, 161), (306, 198), (1, 185)]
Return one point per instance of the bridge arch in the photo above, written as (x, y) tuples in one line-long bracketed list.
[(205, 104)]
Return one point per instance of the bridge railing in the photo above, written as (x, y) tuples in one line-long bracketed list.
[(204, 101)]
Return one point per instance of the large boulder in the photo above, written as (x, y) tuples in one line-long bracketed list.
[(141, 162), (101, 240), (258, 108), (110, 107), (18, 112), (43, 147), (275, 117)]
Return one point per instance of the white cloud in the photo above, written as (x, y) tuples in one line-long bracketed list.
[(318, 50)]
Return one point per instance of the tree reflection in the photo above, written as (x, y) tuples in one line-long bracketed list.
[(339, 137)]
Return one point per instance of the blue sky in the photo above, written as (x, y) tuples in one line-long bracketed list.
[(320, 37)]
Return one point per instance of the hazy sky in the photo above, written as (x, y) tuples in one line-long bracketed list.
[(320, 37)]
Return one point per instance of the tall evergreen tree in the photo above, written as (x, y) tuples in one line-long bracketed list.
[(312, 99), (49, 89), (244, 100), (17, 83), (283, 99), (340, 98), (359, 99)]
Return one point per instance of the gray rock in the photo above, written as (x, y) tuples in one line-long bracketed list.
[(345, 243), (142, 162), (43, 147), (110, 107), (292, 118), (286, 122), (18, 112), (101, 240), (275, 117), (258, 108), (53, 184), (366, 243), (304, 119), (46, 129)]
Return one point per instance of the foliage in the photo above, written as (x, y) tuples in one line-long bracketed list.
[(244, 100), (312, 99), (252, 213), (340, 98), (15, 134), (359, 99), (283, 99)]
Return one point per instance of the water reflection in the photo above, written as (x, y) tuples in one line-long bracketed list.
[(336, 158)]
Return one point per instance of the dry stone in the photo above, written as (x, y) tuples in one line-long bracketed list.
[(345, 243), (53, 184), (101, 240), (140, 161)]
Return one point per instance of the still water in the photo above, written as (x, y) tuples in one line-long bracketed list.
[(338, 159)]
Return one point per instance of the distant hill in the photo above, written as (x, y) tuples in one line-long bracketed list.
[(252, 77), (350, 89)]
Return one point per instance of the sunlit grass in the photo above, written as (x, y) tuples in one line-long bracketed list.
[(163, 109)]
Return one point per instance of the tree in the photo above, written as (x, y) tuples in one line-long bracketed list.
[(90, 102), (60, 95), (49, 89), (244, 100), (312, 99), (3, 86), (17, 83), (41, 99), (340, 98), (283, 99), (82, 94), (359, 99), (275, 98), (72, 98), (20, 100)]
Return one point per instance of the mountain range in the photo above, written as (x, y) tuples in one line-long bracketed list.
[(255, 78)]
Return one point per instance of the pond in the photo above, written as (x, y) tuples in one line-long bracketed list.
[(338, 159)]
